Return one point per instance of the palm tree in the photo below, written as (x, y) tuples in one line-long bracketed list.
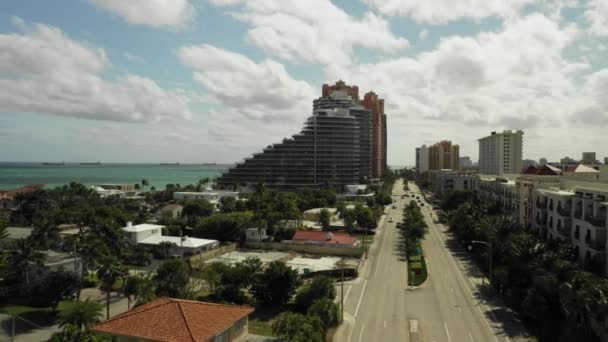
[(144, 183), (109, 272), (80, 314), (25, 255)]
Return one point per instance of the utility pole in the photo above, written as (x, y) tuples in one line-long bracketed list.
[(489, 245)]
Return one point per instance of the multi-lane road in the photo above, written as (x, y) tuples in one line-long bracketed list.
[(447, 307)]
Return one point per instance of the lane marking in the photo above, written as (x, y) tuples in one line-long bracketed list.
[(460, 309), (447, 332), (471, 337), (385, 324), (361, 334), (347, 292), (360, 298)]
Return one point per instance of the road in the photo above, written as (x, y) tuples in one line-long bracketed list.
[(447, 307)]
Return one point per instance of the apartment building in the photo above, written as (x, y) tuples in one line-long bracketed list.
[(501, 153), (422, 159), (444, 155), (444, 181), (576, 212)]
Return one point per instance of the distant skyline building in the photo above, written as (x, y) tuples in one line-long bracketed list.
[(542, 161), (444, 155), (528, 162), (501, 153), (588, 158), (335, 147), (567, 160), (422, 159), (465, 162), (606, 160)]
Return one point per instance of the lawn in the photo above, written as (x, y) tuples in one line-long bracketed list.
[(417, 272), (260, 320), (38, 315)]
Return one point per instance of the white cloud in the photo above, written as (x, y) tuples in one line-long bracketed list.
[(443, 11), (423, 35), (597, 15), (512, 78), (44, 71), (133, 58), (261, 90), (155, 13), (313, 30)]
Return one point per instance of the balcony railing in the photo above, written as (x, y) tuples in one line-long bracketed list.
[(596, 221), (563, 212), (597, 245)]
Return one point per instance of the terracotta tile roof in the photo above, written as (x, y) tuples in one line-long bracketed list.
[(175, 320), (337, 238), (530, 170), (580, 168), (548, 170)]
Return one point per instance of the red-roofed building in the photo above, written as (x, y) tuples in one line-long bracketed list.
[(178, 320), (325, 238)]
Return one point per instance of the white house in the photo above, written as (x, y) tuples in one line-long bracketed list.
[(151, 235), (206, 195)]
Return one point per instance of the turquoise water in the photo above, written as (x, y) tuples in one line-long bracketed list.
[(13, 175)]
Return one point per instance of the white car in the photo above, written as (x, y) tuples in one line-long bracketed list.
[(390, 220)]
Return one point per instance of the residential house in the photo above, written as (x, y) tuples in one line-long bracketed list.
[(178, 320), (172, 210), (151, 235)]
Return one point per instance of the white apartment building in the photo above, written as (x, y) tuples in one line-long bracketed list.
[(422, 159), (151, 235), (501, 153)]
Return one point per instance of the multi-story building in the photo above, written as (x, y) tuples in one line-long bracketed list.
[(588, 158), (444, 181), (372, 102), (542, 161), (501, 153), (422, 159), (443, 155), (576, 212), (335, 147), (465, 162)]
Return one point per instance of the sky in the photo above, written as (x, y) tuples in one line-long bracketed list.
[(218, 80)]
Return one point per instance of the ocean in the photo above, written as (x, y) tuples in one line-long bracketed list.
[(14, 175)]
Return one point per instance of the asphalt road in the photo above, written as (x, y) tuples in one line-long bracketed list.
[(447, 307)]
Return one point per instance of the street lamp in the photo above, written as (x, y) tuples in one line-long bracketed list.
[(489, 245)]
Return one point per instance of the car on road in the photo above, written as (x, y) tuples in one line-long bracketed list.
[(394, 207), (390, 220), (436, 207)]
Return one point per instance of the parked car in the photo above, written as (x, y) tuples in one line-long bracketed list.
[(394, 207)]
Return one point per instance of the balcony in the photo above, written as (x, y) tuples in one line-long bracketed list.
[(541, 205), (578, 214), (563, 212), (564, 229), (596, 221), (598, 246)]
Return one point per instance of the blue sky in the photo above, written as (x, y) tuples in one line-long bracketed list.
[(217, 80)]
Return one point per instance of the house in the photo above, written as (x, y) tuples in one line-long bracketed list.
[(172, 210), (315, 214), (151, 235), (337, 239), (255, 234), (210, 196), (178, 320)]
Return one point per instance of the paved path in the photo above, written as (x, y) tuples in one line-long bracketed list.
[(446, 308)]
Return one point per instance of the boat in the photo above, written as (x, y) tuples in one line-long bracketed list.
[(62, 163), (169, 164), (91, 163)]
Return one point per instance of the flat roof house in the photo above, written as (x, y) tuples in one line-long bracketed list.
[(178, 320), (151, 234)]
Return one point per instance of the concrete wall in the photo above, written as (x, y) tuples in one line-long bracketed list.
[(199, 259), (307, 249)]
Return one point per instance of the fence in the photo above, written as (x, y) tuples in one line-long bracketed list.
[(306, 248), (199, 259)]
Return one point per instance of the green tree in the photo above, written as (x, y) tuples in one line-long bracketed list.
[(327, 310), (294, 327), (325, 219), (144, 183), (109, 272), (319, 288), (227, 204), (58, 286), (195, 210), (80, 314), (23, 257), (276, 284), (166, 247), (172, 278), (224, 227)]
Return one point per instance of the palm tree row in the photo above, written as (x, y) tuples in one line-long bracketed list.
[(413, 227), (539, 279)]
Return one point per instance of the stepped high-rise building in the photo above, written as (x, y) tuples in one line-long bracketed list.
[(501, 153), (336, 146)]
